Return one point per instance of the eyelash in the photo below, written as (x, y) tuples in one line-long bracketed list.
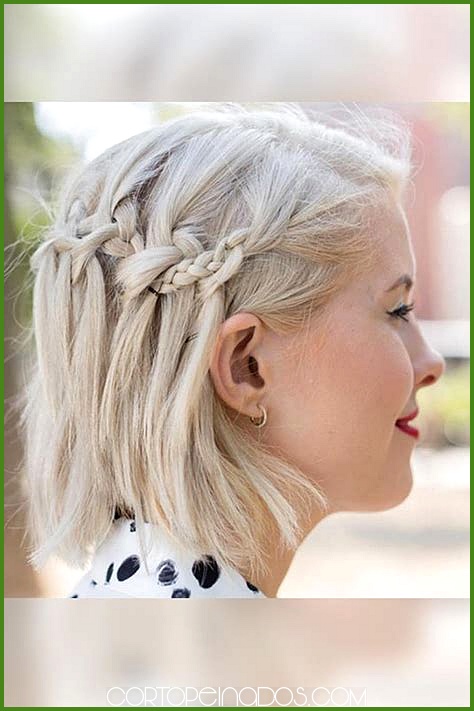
[(402, 311)]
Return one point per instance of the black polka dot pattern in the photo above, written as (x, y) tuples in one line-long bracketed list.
[(108, 575), (170, 574), (167, 573), (251, 587), (206, 571), (128, 568)]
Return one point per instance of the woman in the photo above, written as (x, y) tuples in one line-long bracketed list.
[(225, 353)]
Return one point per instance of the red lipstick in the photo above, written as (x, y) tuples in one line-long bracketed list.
[(403, 425)]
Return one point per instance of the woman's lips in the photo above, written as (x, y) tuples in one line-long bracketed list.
[(403, 425)]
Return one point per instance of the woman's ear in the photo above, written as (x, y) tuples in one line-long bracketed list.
[(237, 363)]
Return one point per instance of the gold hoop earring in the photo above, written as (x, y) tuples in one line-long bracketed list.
[(259, 422)]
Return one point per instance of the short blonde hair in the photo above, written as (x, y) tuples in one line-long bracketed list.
[(228, 208)]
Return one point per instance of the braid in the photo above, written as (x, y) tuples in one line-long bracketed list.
[(163, 269), (213, 266)]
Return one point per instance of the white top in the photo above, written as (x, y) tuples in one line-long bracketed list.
[(118, 571)]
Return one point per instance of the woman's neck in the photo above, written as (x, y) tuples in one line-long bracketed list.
[(278, 558)]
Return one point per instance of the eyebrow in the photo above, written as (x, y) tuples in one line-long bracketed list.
[(404, 279)]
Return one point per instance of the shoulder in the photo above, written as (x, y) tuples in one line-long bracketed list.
[(119, 569)]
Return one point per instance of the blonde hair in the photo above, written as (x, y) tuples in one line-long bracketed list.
[(228, 208)]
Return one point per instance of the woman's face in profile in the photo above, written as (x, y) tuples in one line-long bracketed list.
[(334, 392)]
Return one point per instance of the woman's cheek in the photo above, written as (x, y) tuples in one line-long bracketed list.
[(382, 375), (398, 377)]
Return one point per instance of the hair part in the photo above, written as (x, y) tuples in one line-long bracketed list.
[(226, 209)]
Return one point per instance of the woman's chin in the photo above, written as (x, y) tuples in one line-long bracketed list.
[(397, 491), (385, 493), (394, 491)]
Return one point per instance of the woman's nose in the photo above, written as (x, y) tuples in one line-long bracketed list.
[(430, 367)]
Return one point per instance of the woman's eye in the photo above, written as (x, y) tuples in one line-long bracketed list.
[(402, 311)]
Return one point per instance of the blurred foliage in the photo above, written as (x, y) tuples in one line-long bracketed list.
[(34, 165), (165, 111), (445, 407), (453, 115)]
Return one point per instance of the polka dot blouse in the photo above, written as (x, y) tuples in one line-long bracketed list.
[(118, 571)]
